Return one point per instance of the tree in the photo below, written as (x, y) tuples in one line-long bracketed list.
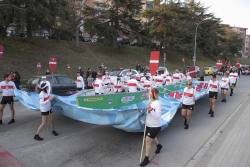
[(114, 19)]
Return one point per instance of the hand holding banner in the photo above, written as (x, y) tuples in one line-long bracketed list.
[(38, 66), (1, 51), (52, 64)]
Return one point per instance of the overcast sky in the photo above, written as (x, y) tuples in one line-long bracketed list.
[(233, 12)]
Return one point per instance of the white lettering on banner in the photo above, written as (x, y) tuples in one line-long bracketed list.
[(219, 63), (52, 62), (38, 65), (154, 61)]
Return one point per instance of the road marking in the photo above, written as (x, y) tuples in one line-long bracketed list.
[(7, 159)]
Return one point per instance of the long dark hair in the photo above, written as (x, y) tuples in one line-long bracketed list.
[(17, 73), (44, 89)]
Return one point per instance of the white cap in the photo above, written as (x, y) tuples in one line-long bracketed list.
[(43, 77)]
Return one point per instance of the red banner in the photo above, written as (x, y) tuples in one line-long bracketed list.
[(237, 65), (1, 51), (68, 67), (219, 64), (228, 64), (154, 62), (52, 64), (38, 66), (191, 71)]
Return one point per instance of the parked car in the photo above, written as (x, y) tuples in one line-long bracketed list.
[(123, 41), (208, 70), (113, 75), (147, 72), (215, 69), (62, 85)]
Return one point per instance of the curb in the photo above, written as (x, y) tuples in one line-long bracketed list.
[(200, 154)]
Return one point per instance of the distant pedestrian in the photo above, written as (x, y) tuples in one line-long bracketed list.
[(90, 82), (224, 84), (81, 71), (7, 88), (153, 124), (79, 82), (17, 79), (94, 74), (12, 76), (201, 74), (138, 67), (233, 76), (47, 72), (45, 99), (88, 73)]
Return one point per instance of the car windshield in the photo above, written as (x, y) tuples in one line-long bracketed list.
[(161, 69), (206, 68), (114, 73), (33, 81)]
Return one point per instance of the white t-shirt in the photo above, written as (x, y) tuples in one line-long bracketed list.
[(118, 86), (213, 86), (99, 86), (7, 88), (154, 117), (79, 82), (133, 85), (176, 77), (188, 96), (233, 77), (45, 104), (224, 83), (158, 81)]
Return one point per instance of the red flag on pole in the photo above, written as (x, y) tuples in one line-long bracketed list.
[(191, 71), (68, 67), (52, 64), (38, 66), (237, 65), (183, 60), (1, 51), (228, 64), (154, 62), (219, 64)]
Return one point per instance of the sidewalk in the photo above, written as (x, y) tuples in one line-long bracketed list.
[(230, 145)]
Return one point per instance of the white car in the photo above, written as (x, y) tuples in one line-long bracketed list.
[(147, 72), (122, 74)]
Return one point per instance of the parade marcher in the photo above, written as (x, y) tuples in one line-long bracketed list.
[(44, 81), (99, 85), (118, 85), (168, 80), (188, 77), (188, 101), (213, 93), (79, 82), (147, 83), (128, 75), (153, 124), (17, 79), (176, 76), (233, 76), (158, 80), (7, 88), (106, 79), (201, 74), (81, 71), (45, 99), (47, 72), (224, 84), (90, 82), (133, 85)]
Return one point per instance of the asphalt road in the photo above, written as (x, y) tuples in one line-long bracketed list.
[(86, 145)]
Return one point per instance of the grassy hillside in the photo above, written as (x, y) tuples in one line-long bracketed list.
[(22, 57)]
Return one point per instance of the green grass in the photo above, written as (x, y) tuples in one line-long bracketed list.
[(21, 56)]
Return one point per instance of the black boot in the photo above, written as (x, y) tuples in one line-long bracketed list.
[(185, 122), (222, 100), (212, 114), (158, 150), (54, 133), (186, 126), (225, 100), (37, 137), (0, 121), (144, 162), (231, 93), (12, 121)]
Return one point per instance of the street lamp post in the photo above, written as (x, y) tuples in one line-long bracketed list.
[(195, 35), (164, 58)]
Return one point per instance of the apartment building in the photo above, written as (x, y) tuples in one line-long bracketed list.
[(243, 34), (248, 45)]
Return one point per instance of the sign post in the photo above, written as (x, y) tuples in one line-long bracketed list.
[(237, 64), (38, 68), (154, 62), (68, 67), (52, 68), (164, 55), (219, 64)]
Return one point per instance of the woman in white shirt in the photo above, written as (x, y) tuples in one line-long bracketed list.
[(188, 101), (153, 124), (45, 107), (224, 84), (213, 93)]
